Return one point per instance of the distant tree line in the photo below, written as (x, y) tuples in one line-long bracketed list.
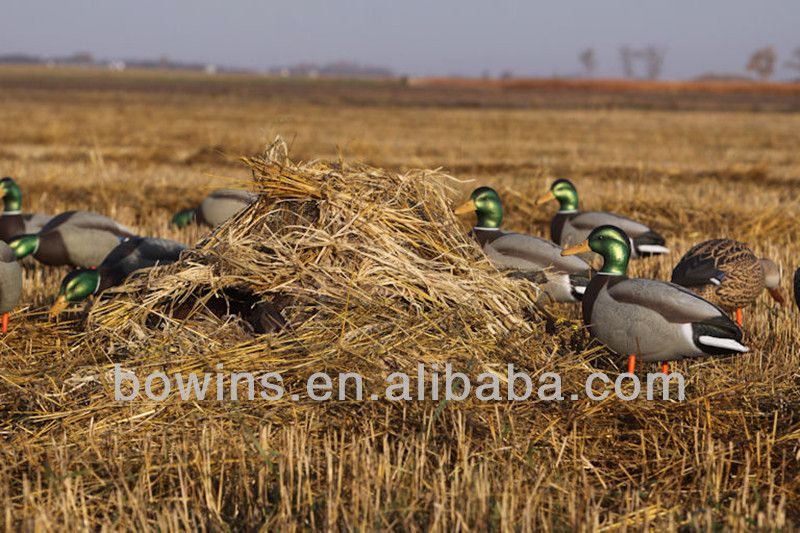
[(643, 63), (647, 62)]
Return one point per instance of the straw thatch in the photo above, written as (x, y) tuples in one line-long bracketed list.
[(347, 268)]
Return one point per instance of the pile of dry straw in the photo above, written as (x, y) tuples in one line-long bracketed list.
[(367, 271)]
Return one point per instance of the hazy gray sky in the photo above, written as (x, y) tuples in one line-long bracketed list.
[(410, 36)]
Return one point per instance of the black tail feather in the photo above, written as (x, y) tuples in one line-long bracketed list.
[(578, 283), (721, 327), (650, 237)]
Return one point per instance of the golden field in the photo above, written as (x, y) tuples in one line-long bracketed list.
[(140, 146)]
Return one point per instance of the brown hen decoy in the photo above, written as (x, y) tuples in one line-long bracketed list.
[(728, 274)]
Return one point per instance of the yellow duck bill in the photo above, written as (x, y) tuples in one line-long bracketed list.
[(58, 306), (466, 207), (546, 197), (581, 248)]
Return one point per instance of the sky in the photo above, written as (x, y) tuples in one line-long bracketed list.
[(415, 37)]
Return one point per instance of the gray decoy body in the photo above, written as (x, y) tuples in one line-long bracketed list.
[(563, 278), (570, 226), (10, 279), (135, 254), (568, 229), (216, 208), (222, 204), (76, 238)]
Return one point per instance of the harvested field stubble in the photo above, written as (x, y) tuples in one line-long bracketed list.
[(139, 146), (373, 274)]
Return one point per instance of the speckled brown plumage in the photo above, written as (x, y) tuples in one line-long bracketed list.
[(731, 263)]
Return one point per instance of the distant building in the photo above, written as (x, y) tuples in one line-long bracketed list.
[(341, 69)]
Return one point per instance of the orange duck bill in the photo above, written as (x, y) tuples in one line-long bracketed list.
[(581, 248)]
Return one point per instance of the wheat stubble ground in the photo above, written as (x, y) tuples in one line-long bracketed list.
[(728, 456)]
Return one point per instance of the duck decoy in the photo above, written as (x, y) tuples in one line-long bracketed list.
[(571, 226), (652, 320), (215, 208), (562, 278), (13, 221), (728, 274), (129, 256), (76, 238), (10, 283)]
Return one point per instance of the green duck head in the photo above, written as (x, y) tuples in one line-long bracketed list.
[(24, 245), (75, 287), (183, 218), (610, 242), (564, 192), (12, 195), (485, 202)]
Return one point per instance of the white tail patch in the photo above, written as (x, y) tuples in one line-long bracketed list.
[(715, 281), (652, 249), (727, 344), (578, 289)]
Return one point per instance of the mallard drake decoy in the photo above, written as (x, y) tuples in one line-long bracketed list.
[(562, 278), (649, 319), (76, 238), (131, 255), (797, 287), (728, 274), (10, 282), (12, 221), (571, 226), (215, 208)]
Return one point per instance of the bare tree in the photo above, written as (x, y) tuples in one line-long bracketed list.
[(588, 60), (794, 64), (762, 62), (627, 56), (653, 58)]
